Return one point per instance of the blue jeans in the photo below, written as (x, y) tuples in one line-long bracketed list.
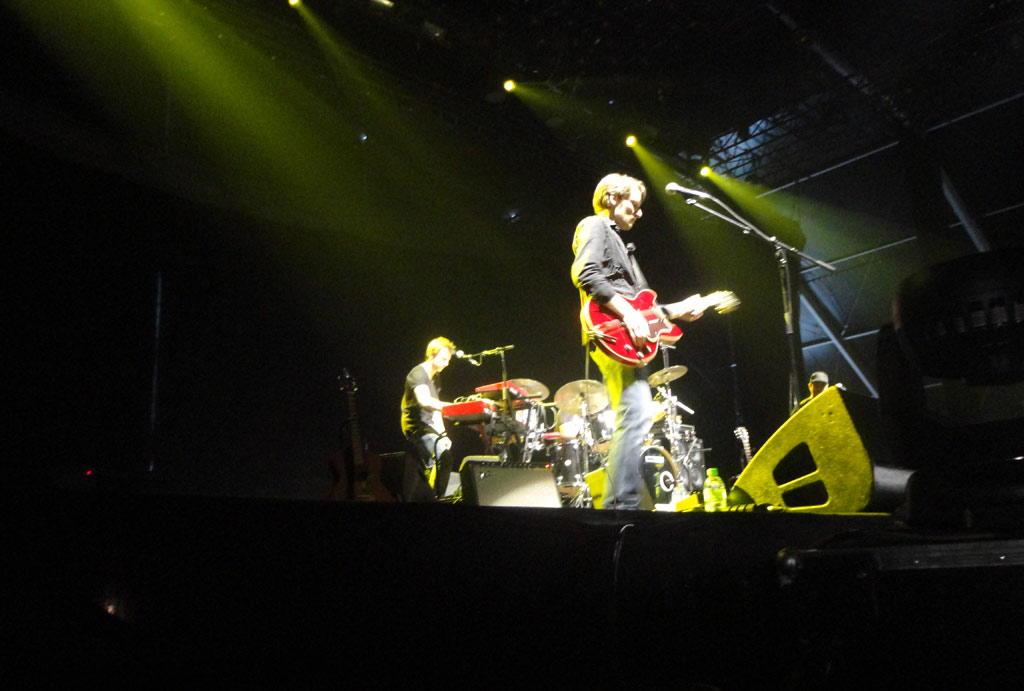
[(430, 451), (630, 396)]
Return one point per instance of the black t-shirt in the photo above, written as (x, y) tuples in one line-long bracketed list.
[(415, 418)]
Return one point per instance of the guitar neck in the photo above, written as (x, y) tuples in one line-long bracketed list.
[(696, 303), (744, 437), (353, 429)]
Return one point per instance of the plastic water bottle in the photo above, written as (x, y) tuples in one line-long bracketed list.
[(714, 491)]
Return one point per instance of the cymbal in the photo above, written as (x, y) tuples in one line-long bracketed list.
[(532, 387), (571, 396), (664, 376)]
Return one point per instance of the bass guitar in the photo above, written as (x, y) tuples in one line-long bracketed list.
[(608, 331)]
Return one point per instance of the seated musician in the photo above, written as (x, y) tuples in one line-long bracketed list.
[(422, 423)]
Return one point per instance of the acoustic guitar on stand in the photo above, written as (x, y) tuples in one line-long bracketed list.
[(355, 467), (608, 331)]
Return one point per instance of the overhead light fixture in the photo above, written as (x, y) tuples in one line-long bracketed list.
[(509, 85), (434, 31), (631, 140)]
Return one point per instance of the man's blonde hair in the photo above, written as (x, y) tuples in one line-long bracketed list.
[(438, 344), (616, 184)]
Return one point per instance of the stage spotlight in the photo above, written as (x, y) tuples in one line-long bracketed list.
[(631, 140), (294, 3), (509, 85), (705, 171)]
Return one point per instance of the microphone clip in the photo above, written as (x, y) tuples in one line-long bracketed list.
[(469, 358)]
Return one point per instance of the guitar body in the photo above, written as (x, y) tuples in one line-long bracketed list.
[(614, 339)]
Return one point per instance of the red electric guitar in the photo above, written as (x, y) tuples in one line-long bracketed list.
[(607, 330)]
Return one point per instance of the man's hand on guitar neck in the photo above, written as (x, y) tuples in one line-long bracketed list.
[(694, 309)]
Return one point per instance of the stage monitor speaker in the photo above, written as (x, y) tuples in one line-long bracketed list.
[(815, 463), (402, 475), (487, 483)]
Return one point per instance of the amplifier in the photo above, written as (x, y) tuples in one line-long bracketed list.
[(485, 482)]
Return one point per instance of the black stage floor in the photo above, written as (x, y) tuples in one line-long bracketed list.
[(193, 591)]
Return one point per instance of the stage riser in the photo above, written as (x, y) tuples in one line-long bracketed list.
[(384, 595)]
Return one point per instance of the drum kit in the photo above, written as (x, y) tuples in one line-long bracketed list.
[(572, 435)]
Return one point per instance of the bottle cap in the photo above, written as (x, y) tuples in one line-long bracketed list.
[(712, 472)]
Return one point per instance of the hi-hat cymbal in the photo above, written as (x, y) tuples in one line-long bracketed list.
[(664, 376), (532, 387), (571, 396)]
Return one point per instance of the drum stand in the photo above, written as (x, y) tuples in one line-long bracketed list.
[(584, 499), (681, 454), (536, 424)]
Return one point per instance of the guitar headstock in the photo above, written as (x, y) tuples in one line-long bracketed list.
[(346, 382), (725, 301)]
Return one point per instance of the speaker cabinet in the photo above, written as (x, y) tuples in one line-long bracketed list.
[(402, 475), (815, 463), (487, 483)]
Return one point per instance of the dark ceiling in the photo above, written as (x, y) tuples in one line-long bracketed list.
[(814, 82), (843, 76)]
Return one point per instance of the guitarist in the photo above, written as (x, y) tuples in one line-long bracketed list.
[(605, 271), (422, 423)]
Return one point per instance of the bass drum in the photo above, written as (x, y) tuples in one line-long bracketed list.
[(657, 472)]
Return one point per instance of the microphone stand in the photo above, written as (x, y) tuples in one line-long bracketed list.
[(506, 398), (782, 252)]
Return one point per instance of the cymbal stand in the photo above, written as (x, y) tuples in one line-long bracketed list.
[(536, 424), (585, 436)]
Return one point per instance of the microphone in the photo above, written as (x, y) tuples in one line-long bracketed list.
[(673, 188), (464, 356)]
